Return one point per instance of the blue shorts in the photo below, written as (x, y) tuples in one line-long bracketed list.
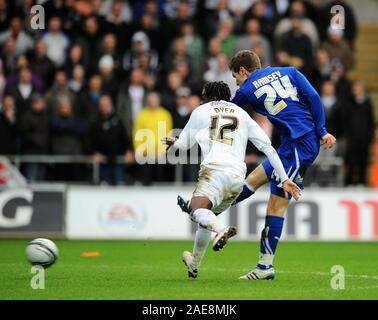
[(296, 156)]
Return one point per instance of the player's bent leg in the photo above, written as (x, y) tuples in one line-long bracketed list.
[(255, 180), (222, 238), (270, 237), (208, 220)]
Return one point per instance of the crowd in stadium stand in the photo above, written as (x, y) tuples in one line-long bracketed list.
[(101, 70)]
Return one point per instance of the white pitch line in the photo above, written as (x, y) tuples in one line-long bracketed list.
[(362, 276)]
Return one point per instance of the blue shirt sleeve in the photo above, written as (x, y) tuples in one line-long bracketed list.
[(314, 103), (240, 99)]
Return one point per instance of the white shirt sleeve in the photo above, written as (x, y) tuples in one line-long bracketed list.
[(259, 138), (188, 134)]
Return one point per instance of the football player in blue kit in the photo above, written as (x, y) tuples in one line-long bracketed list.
[(292, 105)]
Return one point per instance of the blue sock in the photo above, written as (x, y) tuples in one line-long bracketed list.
[(246, 193), (269, 240)]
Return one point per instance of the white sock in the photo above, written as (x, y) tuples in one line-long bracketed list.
[(249, 186), (202, 239), (207, 219), (266, 259)]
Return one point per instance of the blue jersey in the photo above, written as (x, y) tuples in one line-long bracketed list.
[(286, 97)]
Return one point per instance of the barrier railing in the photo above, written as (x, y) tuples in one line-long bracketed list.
[(18, 160)]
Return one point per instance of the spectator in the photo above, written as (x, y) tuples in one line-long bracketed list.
[(42, 65), (96, 6), (148, 25), (8, 131), (22, 91), (118, 17), (70, 15), (183, 69), (334, 108), (259, 11), (90, 41), (67, 138), (34, 129), (151, 74), (66, 131), (214, 17), (109, 47), (296, 43), (9, 56), (110, 81), (338, 76), (228, 39), (131, 98), (194, 101), (254, 38), (238, 9), (213, 51), (183, 13), (23, 42), (140, 44), (222, 73), (359, 134), (195, 48), (152, 124), (338, 48), (77, 82), (181, 114), (58, 92), (325, 17), (153, 7), (176, 55), (75, 57), (116, 11), (307, 27), (180, 9), (87, 108), (168, 97), (56, 42), (22, 63), (321, 70), (109, 141), (5, 17)]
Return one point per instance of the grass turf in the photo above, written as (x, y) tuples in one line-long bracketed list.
[(153, 270)]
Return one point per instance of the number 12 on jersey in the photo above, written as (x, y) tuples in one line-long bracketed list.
[(219, 133)]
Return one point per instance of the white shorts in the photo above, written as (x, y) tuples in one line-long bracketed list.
[(220, 187)]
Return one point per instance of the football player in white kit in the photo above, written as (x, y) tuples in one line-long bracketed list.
[(222, 130)]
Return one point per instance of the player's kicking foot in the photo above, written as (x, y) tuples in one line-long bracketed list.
[(260, 274), (187, 258), (221, 238), (184, 205)]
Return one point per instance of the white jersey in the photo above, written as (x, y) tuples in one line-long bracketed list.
[(222, 130)]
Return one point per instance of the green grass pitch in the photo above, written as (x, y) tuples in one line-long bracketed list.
[(153, 270)]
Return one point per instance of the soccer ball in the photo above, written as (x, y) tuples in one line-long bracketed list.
[(42, 252)]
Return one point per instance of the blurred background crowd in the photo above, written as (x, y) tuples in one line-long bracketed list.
[(101, 70)]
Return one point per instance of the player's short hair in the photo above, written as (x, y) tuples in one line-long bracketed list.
[(247, 59), (215, 91)]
